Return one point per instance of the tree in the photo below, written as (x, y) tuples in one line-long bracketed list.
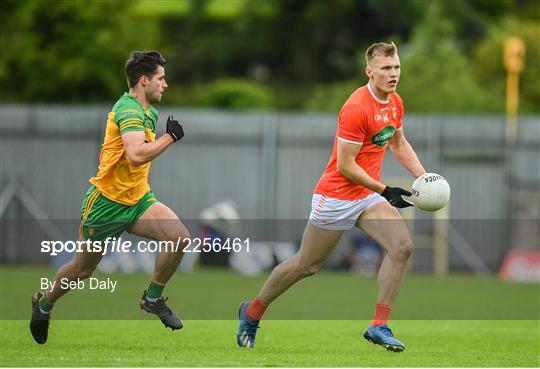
[(69, 50), (488, 62)]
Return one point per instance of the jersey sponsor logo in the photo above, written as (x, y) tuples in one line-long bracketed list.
[(382, 137)]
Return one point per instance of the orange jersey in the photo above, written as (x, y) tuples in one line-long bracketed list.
[(371, 122)]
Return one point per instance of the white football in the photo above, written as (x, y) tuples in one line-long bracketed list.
[(430, 192)]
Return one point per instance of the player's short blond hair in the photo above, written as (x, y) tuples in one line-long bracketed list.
[(380, 49)]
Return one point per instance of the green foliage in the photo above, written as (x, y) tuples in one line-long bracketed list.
[(179, 8), (330, 97), (74, 51), (69, 50), (442, 81), (299, 42), (488, 62), (234, 94), (436, 75), (224, 9)]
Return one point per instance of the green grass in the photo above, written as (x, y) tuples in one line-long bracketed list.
[(214, 294), (280, 343), (444, 322)]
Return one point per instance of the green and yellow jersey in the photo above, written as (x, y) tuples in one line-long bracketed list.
[(116, 179)]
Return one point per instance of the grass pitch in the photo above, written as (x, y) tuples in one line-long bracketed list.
[(294, 343), (279, 343)]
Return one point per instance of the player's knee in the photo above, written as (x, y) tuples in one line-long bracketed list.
[(312, 269), (183, 235), (403, 249), (307, 270)]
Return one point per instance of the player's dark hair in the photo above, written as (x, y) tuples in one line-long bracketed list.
[(380, 49), (142, 63)]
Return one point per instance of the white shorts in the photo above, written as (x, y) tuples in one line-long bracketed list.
[(339, 215)]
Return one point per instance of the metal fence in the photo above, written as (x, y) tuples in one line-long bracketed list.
[(269, 163)]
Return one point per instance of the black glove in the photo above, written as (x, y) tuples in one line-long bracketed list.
[(393, 195), (174, 128)]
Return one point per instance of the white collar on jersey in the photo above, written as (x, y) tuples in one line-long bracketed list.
[(375, 96)]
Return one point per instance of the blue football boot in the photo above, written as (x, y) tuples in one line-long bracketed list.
[(247, 328), (382, 335)]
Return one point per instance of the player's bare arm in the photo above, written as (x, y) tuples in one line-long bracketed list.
[(403, 151), (139, 152), (347, 166)]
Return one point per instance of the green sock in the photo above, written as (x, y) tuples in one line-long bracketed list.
[(44, 306), (154, 291)]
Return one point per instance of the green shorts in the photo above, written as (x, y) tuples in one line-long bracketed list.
[(102, 218)]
